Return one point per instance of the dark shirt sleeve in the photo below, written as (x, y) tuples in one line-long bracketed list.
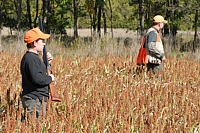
[(151, 37), (151, 41), (37, 72)]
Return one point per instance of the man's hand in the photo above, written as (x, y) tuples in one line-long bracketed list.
[(163, 59)]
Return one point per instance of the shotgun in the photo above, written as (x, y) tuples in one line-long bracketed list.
[(53, 93)]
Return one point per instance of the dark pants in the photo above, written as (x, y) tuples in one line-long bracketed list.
[(155, 68), (33, 104)]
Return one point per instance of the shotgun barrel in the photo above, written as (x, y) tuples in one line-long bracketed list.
[(53, 92)]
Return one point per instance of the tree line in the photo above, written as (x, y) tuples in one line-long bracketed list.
[(57, 15)]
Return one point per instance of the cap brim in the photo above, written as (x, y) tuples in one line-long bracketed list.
[(165, 21), (44, 36)]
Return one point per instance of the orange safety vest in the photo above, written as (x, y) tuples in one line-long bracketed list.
[(151, 58)]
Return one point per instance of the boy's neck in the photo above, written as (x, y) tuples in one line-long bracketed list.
[(32, 50)]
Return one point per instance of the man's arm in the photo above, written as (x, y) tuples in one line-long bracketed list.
[(151, 41)]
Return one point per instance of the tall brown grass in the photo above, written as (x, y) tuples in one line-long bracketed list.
[(105, 94)]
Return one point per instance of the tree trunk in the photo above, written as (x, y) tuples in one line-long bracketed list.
[(104, 20), (19, 11), (44, 16), (76, 2), (166, 26), (99, 20), (36, 14), (94, 19), (173, 27), (0, 26), (111, 26), (195, 33), (141, 14), (148, 14), (29, 14)]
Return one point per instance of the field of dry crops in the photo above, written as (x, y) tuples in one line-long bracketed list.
[(106, 95)]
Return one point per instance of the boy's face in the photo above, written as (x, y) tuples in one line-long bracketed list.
[(39, 44)]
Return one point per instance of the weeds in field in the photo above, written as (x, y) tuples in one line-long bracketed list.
[(105, 94)]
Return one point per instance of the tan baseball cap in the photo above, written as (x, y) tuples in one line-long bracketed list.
[(159, 19), (34, 34)]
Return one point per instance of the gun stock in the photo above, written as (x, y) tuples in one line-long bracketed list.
[(53, 93)]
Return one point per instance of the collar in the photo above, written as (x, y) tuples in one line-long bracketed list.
[(155, 29)]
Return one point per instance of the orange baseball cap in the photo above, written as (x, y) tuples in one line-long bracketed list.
[(159, 19), (34, 34)]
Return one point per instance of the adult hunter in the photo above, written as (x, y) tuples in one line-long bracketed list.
[(155, 50)]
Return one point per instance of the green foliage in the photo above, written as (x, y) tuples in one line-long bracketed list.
[(89, 6), (125, 13), (61, 17), (8, 16)]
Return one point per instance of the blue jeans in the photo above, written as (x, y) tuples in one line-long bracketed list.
[(30, 104)]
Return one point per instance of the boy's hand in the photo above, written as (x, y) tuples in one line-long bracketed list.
[(49, 57)]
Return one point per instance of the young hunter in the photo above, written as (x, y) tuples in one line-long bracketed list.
[(35, 80), (155, 50)]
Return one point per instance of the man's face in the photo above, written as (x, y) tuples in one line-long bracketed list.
[(161, 25)]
